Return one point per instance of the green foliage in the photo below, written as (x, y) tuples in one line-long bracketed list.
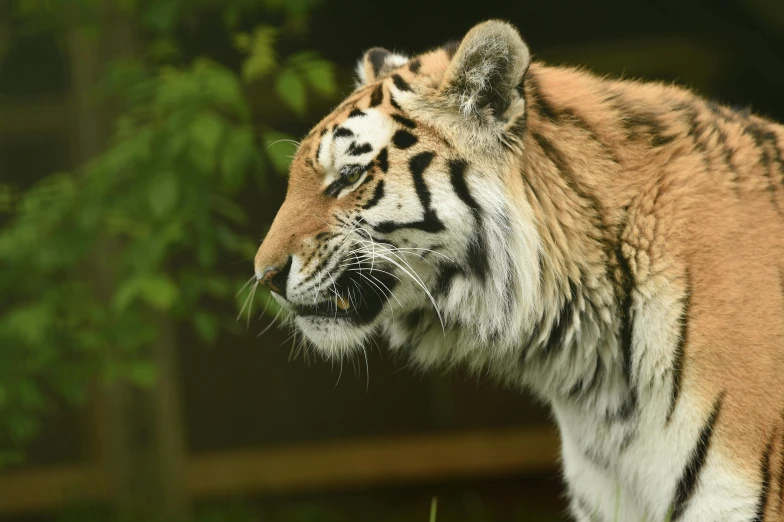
[(94, 259)]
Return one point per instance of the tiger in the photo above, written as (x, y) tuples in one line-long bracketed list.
[(615, 247)]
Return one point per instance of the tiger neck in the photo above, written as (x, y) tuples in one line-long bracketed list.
[(581, 346), (572, 347)]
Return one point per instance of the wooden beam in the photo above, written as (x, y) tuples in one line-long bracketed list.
[(375, 462), (26, 116), (296, 468), (49, 489)]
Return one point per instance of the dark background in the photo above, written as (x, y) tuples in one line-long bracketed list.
[(244, 392)]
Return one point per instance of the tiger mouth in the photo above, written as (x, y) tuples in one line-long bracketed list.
[(360, 295), (338, 306)]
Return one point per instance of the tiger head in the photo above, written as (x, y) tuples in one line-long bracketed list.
[(405, 211)]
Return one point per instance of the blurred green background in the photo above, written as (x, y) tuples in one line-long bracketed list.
[(143, 152)]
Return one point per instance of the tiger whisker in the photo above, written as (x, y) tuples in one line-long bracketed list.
[(245, 286), (381, 286), (247, 300), (283, 140), (266, 305), (271, 323), (415, 277)]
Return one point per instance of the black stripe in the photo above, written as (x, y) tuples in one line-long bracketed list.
[(377, 195), (367, 179), (625, 284), (696, 132), (394, 103), (626, 288), (691, 473), (457, 175), (646, 125), (342, 132), (334, 188), (762, 499), (763, 135), (557, 335), (477, 256), (543, 106), (358, 150), (400, 83), (382, 160), (430, 222), (412, 320), (404, 121), (444, 279), (355, 113), (324, 262), (721, 136), (762, 139), (377, 97), (418, 164), (562, 115), (404, 139), (414, 65), (477, 249), (677, 361)]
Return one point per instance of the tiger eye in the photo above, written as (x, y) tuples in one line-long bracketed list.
[(353, 176)]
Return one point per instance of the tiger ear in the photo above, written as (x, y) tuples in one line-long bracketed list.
[(487, 70), (376, 63)]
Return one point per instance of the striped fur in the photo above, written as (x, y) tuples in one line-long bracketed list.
[(613, 246)]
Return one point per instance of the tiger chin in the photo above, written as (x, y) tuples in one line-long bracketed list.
[(615, 247)]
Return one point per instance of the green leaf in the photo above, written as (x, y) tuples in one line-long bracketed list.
[(237, 155), (163, 50), (224, 90), (260, 47), (206, 326), (142, 373), (205, 132), (321, 77), (242, 41), (159, 291), (163, 193), (291, 89), (29, 323), (318, 73), (162, 15), (227, 208), (217, 287)]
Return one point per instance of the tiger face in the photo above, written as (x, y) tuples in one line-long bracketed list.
[(398, 215)]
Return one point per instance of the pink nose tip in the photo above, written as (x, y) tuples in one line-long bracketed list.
[(276, 277), (268, 279)]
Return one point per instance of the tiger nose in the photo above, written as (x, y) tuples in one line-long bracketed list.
[(276, 278)]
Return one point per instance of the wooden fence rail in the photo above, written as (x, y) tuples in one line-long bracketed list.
[(334, 465)]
